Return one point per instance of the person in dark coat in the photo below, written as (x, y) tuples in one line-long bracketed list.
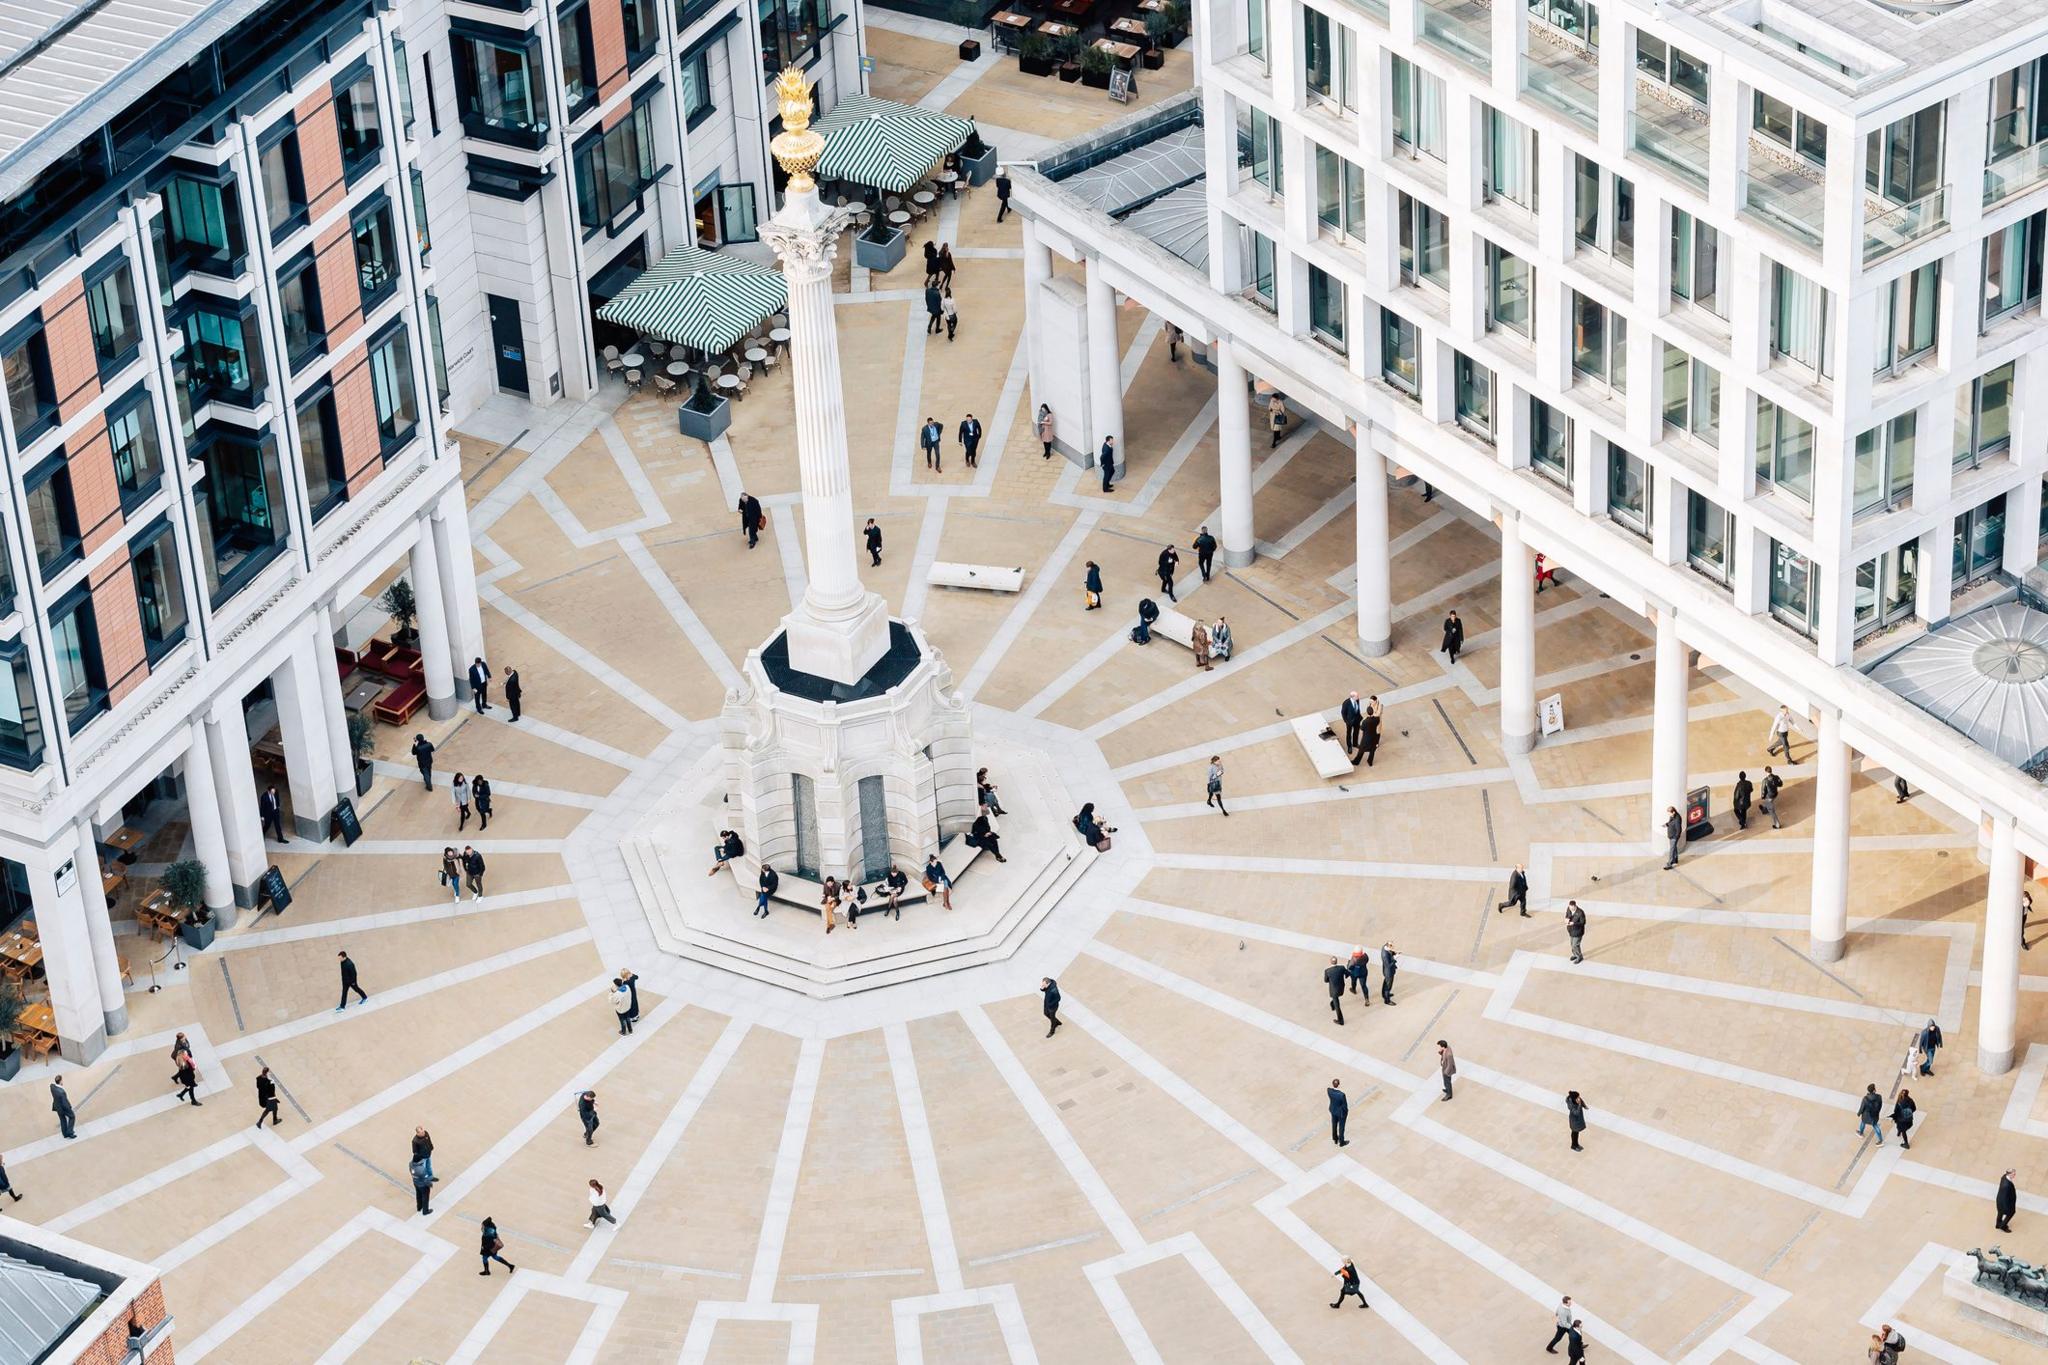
[(1768, 795), (423, 754), (480, 794), (1575, 1341), (60, 1105), (1089, 828), (1334, 977), (931, 264), (512, 692), (188, 1080), (1903, 1109), (1674, 830), (1091, 586), (480, 684), (1868, 1111), (1575, 1117), (473, 869), (6, 1186), (983, 836), (1358, 969), (1002, 194), (970, 440), (873, 535), (764, 889), (586, 1110), (1169, 560), (1106, 460), (750, 518), (1340, 1110), (1454, 636), (491, 1247), (1347, 1275), (946, 266), (1575, 929), (422, 1187), (2008, 1201), (1518, 892), (1352, 712), (928, 437), (271, 811), (1050, 989), (1389, 964), (1369, 734), (1205, 551), (423, 1150), (934, 302), (348, 982), (1930, 1043), (266, 1099), (1744, 790)]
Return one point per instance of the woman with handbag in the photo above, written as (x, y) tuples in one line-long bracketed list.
[(451, 873), (937, 883), (1276, 417), (492, 1247), (830, 902), (1096, 834)]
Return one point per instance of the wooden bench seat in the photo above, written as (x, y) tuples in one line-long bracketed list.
[(397, 706), (1327, 755), (988, 577)]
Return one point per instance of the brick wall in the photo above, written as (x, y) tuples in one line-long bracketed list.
[(119, 618), (355, 415), (74, 368), (320, 152), (112, 1347), (94, 493), (341, 298), (608, 47)]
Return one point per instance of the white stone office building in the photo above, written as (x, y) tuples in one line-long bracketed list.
[(1726, 306)]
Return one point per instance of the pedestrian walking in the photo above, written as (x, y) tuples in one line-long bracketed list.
[(480, 795), (423, 754), (1575, 1341), (348, 982), (422, 1187), (934, 304), (2008, 1201), (491, 1247), (622, 1005), (1106, 458), (1340, 1111), (1781, 734), (1204, 546), (1868, 1110), (1276, 418), (937, 881), (1369, 731), (950, 310), (1674, 830), (266, 1099), (271, 809), (1446, 1063), (1575, 929), (473, 870), (946, 267), (7, 1186), (423, 1150), (459, 790), (1347, 1283), (1518, 891), (1216, 784), (1564, 1324), (512, 692), (1575, 1117), (60, 1105), (873, 535), (765, 888), (451, 872), (1886, 1346), (1352, 712), (931, 264), (1091, 586), (1454, 636), (1334, 977), (1050, 990), (928, 437), (1046, 428), (828, 903), (970, 441), (1930, 1043), (1768, 794), (586, 1110), (632, 980), (1389, 964), (1744, 790), (1219, 640), (751, 518), (1359, 968), (1198, 641), (1169, 560), (188, 1081), (1002, 194), (598, 1207), (480, 684), (1903, 1109)]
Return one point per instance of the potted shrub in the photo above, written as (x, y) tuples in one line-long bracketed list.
[(1157, 29), (1095, 67), (1070, 58), (185, 883), (968, 15), (358, 748), (1035, 55), (705, 415), (1176, 23), (11, 1005), (404, 610), (977, 158), (881, 247)]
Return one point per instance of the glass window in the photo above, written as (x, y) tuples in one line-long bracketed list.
[(1887, 588), (31, 396), (1709, 538), (697, 88), (438, 350), (1984, 417), (159, 593), (1580, 18), (1905, 158), (579, 76), (401, 71), (320, 454), (298, 296), (1671, 67), (495, 90), (1474, 397), (1399, 364), (1318, 60), (1907, 312), (1628, 490), (284, 185), (1510, 157), (52, 516), (1255, 27), (1695, 262), (21, 722), (238, 503), (131, 434), (614, 168), (1425, 244), (1979, 544), (1340, 194), (1692, 396), (1258, 149), (1784, 451), (1258, 263), (81, 680), (643, 29), (1510, 292), (221, 361), (361, 129), (1326, 307), (7, 579), (790, 30), (1884, 464), (391, 379), (1599, 343), (1418, 110), (376, 253), (1795, 589), (1550, 442), (1778, 121), (110, 308), (1603, 211), (2012, 268), (205, 223), (1800, 312)]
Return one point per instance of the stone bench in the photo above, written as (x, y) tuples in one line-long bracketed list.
[(988, 577), (1327, 755), (1173, 626)]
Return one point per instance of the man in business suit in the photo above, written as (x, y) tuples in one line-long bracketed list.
[(1050, 989), (1388, 966), (1169, 560), (1744, 790), (1205, 551), (970, 440), (750, 518), (271, 809), (586, 1110), (512, 692), (348, 982), (2008, 1198), (1575, 928), (1674, 830), (928, 436), (1518, 891), (1340, 1110), (1353, 713), (1768, 794), (1334, 977), (873, 535), (67, 1117), (1454, 637), (480, 684), (1358, 969), (1107, 460)]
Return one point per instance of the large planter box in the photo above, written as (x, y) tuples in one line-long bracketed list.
[(10, 1064), (1035, 66), (970, 48), (980, 169), (365, 775), (1072, 72), (1095, 80), (704, 424), (1155, 58), (198, 936), (884, 254)]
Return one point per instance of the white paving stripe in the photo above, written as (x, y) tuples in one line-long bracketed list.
[(531, 724), (440, 908), (1035, 592), (1242, 659), (1931, 1260), (929, 531), (1001, 1298), (582, 658), (789, 1159), (604, 1304), (444, 780), (1289, 938), (782, 521), (678, 607), (1352, 790), (924, 1161)]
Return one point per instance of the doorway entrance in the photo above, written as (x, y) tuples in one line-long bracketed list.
[(508, 344)]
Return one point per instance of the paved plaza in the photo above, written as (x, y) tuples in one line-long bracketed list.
[(920, 1173)]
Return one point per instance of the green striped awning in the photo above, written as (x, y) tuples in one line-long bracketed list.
[(890, 146), (704, 299)]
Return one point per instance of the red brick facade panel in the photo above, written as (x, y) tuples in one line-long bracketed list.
[(320, 152), (355, 416), (74, 368), (112, 1346), (608, 47), (89, 459), (119, 618), (341, 299)]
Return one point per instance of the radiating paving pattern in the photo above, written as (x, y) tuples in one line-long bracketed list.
[(929, 1177)]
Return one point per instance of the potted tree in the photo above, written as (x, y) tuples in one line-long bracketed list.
[(404, 610), (1035, 55), (967, 14), (358, 747), (11, 1005), (705, 414), (881, 247), (1095, 67), (1176, 23), (1070, 58), (184, 882), (1158, 27)]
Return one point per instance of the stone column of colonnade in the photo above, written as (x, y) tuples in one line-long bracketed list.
[(1827, 940), (1999, 1000), (435, 659), (1105, 366), (1233, 455)]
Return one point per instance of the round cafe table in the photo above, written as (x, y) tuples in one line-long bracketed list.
[(780, 336), (756, 355), (728, 381), (899, 217), (635, 361), (679, 368), (925, 197)]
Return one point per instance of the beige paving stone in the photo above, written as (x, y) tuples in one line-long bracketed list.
[(961, 1336), (749, 1343), (1183, 1316), (543, 1328), (592, 486)]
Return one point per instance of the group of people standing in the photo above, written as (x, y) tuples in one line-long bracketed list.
[(931, 436)]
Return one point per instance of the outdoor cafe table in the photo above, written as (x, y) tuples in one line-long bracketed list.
[(780, 336), (1124, 51), (1131, 27), (635, 361), (1016, 23), (679, 368), (37, 1026), (20, 955), (755, 355), (1052, 28), (1154, 6)]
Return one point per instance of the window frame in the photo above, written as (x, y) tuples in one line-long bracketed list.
[(53, 472), (1970, 450), (1721, 570), (1475, 391), (112, 359), (321, 397), (1882, 443), (135, 405), (76, 608), (1399, 336), (160, 537), (1546, 421), (31, 340), (27, 754), (390, 442), (361, 162), (1775, 444), (302, 270), (282, 139), (1702, 389), (1695, 250)]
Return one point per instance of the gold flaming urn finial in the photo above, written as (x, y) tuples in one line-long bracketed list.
[(796, 147)]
